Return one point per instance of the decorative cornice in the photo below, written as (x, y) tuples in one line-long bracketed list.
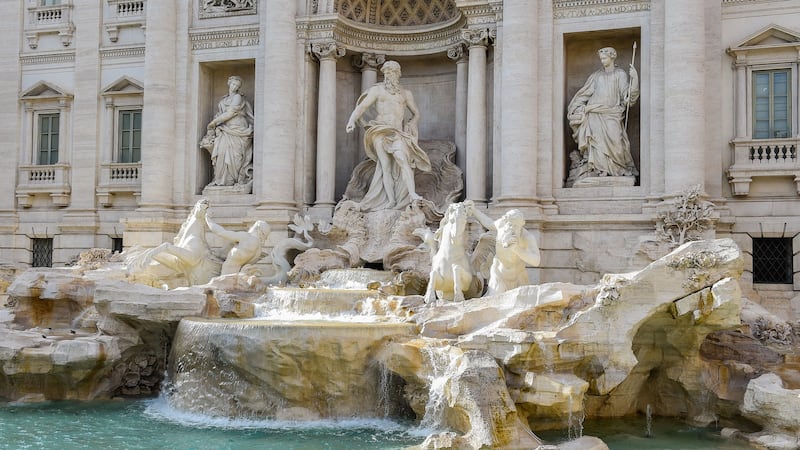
[(122, 52), (67, 57), (581, 8), (416, 40), (223, 38)]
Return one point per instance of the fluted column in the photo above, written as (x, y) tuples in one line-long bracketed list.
[(476, 115), (275, 161), (459, 55), (328, 53), (158, 116), (684, 85), (519, 138)]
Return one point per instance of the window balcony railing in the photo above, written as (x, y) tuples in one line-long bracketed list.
[(49, 19), (52, 180), (124, 13), (763, 158), (118, 178)]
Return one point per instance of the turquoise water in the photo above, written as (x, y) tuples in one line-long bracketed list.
[(667, 434), (151, 424)]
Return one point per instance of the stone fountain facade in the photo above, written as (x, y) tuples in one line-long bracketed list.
[(565, 158)]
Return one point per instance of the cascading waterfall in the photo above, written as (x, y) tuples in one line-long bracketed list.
[(649, 415), (574, 420), (443, 364)]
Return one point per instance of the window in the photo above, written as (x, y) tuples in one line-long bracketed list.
[(47, 142), (130, 136), (49, 2), (42, 252), (771, 104), (772, 260), (116, 245)]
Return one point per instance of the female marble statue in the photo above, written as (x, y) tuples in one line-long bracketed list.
[(596, 115), (391, 142), (230, 138)]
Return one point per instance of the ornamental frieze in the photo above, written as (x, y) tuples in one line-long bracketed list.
[(580, 8), (204, 40)]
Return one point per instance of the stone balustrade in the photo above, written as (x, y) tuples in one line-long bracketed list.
[(763, 158), (52, 180), (118, 178)]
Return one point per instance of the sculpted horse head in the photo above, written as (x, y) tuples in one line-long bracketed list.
[(451, 271)]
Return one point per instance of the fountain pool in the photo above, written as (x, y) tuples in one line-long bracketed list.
[(149, 424)]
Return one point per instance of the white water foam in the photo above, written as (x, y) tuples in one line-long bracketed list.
[(159, 409)]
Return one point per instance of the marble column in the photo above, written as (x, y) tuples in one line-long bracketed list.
[(684, 88), (459, 55), (368, 64), (158, 115), (519, 104), (328, 53), (275, 161), (478, 40)]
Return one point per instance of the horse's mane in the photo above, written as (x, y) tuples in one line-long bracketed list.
[(190, 220)]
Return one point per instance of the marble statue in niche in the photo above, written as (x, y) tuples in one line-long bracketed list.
[(597, 115), (229, 140), (391, 141)]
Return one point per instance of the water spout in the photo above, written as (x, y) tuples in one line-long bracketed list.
[(574, 421), (649, 414)]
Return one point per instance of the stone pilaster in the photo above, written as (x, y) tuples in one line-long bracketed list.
[(275, 162), (478, 41), (328, 53), (519, 104), (684, 102), (12, 122), (458, 53), (159, 142)]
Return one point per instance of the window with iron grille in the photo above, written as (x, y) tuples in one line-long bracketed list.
[(42, 255), (116, 245), (772, 260)]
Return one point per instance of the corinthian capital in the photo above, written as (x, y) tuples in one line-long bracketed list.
[(368, 61), (476, 37), (457, 53), (327, 50)]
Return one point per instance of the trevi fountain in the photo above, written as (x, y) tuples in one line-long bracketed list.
[(407, 320)]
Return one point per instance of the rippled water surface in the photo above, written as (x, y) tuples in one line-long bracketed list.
[(151, 424)]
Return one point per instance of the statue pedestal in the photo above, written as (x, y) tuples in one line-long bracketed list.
[(604, 182), (239, 189)]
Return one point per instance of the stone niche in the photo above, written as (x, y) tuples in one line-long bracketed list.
[(432, 81), (581, 59), (212, 85)]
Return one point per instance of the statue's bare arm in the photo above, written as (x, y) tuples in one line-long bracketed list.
[(371, 97), (412, 106)]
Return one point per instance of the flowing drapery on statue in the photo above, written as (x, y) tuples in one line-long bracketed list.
[(597, 117), (391, 142), (230, 139)]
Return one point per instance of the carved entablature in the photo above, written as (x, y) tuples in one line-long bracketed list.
[(222, 8), (224, 38), (581, 8)]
